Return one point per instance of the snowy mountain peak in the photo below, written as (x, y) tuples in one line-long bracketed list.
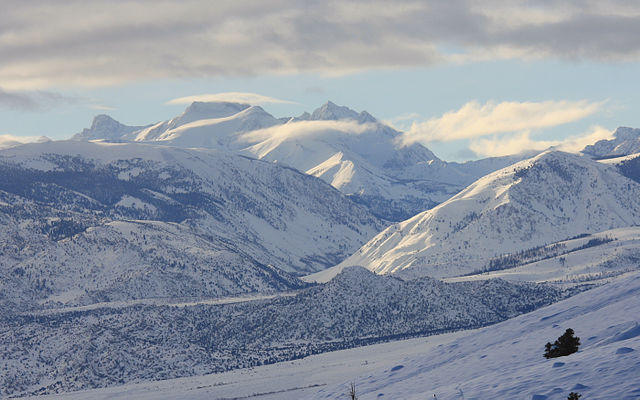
[(199, 110), (548, 198), (208, 110), (305, 116), (208, 125), (626, 133), (105, 127), (103, 120), (626, 141), (332, 112), (365, 117)]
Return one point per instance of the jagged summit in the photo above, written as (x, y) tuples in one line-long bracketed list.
[(105, 127), (103, 120), (332, 112)]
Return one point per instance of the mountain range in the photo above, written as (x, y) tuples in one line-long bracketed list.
[(122, 221), (355, 153)]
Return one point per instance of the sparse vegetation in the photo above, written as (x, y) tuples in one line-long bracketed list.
[(352, 391)]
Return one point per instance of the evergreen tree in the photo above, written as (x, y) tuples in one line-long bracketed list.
[(563, 346), (574, 396), (547, 350)]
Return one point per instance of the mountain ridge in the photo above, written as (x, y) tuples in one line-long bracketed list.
[(548, 198), (160, 215)]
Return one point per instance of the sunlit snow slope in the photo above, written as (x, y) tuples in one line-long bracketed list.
[(551, 197)]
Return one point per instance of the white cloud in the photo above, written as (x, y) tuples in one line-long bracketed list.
[(101, 107), (302, 129), (503, 145), (7, 141), (402, 122), (575, 144), (105, 42), (475, 120), (233, 97)]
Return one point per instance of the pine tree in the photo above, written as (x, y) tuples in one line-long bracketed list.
[(574, 396), (547, 350), (563, 346)]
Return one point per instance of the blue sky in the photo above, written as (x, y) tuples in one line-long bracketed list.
[(468, 79)]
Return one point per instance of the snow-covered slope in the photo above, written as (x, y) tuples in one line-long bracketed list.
[(208, 125), (594, 258), (505, 361), (352, 151), (548, 198), (361, 159), (626, 141), (104, 217), (107, 346), (132, 260)]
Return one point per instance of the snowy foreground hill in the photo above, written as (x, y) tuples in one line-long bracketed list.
[(505, 361), (93, 222), (552, 197), (355, 153), (502, 361), (112, 344)]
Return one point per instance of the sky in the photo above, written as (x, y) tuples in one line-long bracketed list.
[(466, 78)]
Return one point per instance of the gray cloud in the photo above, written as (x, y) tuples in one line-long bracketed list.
[(46, 44), (34, 101)]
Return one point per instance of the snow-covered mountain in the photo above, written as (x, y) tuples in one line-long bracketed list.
[(85, 222), (542, 200), (105, 127), (66, 350), (626, 141), (353, 152), (207, 125)]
